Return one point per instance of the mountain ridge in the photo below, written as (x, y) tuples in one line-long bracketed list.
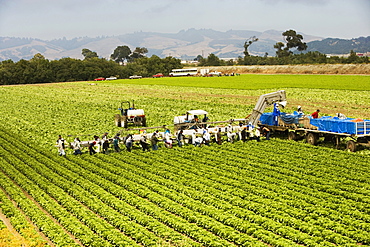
[(186, 44)]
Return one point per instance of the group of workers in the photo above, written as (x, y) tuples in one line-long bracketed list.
[(197, 137), (313, 115)]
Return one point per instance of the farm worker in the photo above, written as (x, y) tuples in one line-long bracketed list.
[(97, 144), (276, 114), (255, 135), (218, 137), (167, 135), (198, 141), (266, 132), (315, 114), (180, 138), (77, 146), (105, 146), (91, 146), (154, 141), (299, 110), (61, 146), (230, 134), (206, 137), (143, 142), (243, 134), (239, 130), (129, 142), (341, 116), (116, 143), (104, 136), (193, 136), (167, 138), (204, 120)]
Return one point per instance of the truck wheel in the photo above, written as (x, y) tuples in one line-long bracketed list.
[(117, 120), (124, 121), (351, 146), (292, 136), (312, 138), (144, 122)]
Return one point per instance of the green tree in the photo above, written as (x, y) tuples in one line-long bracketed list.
[(247, 43), (213, 60), (280, 52), (352, 58), (65, 69), (121, 53), (139, 52), (198, 58), (41, 67), (293, 40), (89, 54), (7, 72)]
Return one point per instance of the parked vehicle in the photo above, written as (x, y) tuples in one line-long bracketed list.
[(215, 73), (184, 72), (111, 78), (158, 75), (135, 77), (99, 79)]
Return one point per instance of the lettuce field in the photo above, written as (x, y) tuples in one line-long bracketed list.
[(268, 193)]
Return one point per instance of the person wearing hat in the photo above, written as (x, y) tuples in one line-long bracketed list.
[(61, 146), (255, 135), (206, 137), (276, 114), (299, 110), (167, 139)]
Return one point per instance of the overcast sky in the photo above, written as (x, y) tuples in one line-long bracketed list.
[(52, 19)]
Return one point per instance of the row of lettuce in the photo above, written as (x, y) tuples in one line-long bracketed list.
[(245, 194)]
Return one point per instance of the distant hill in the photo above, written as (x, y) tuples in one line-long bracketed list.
[(340, 46), (186, 44)]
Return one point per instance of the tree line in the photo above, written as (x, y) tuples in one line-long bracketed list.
[(40, 70), (290, 52), (123, 63)]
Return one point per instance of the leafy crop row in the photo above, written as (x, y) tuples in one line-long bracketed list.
[(221, 195), (268, 193)]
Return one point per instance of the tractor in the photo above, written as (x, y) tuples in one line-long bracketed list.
[(130, 115)]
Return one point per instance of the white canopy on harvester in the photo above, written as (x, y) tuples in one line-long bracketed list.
[(189, 116), (196, 112)]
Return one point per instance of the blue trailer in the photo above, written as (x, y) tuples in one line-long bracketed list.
[(356, 132)]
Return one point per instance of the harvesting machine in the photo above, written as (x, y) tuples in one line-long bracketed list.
[(130, 115)]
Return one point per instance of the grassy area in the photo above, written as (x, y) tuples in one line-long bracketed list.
[(253, 81), (42, 112), (268, 193)]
